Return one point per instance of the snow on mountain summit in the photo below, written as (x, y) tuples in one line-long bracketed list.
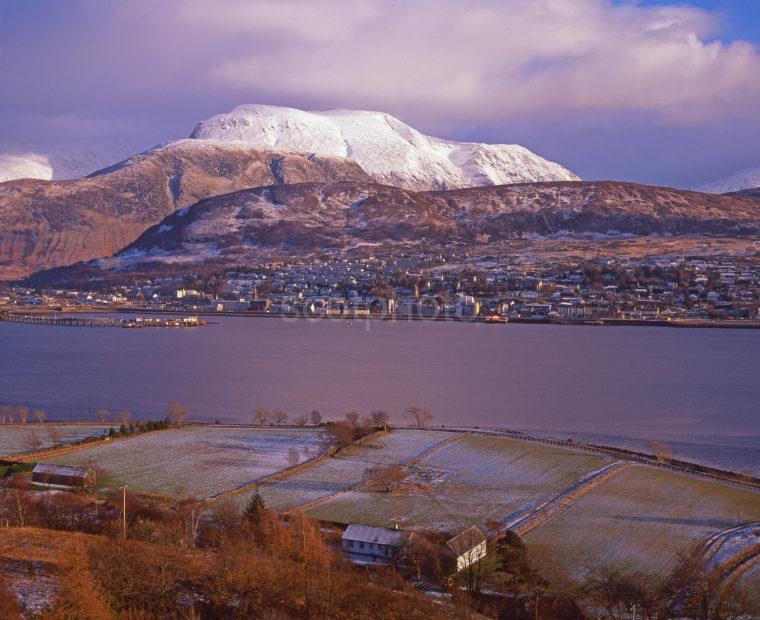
[(24, 166), (390, 151), (744, 179)]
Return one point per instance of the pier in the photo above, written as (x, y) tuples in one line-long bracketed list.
[(70, 321)]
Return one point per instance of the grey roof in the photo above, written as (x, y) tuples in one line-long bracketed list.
[(369, 534), (461, 543), (59, 470)]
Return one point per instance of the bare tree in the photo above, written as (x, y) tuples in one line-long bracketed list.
[(352, 417), (419, 416), (6, 414), (315, 417), (294, 458), (124, 416), (177, 413), (261, 415), (190, 511), (661, 450), (22, 411), (102, 414), (301, 420), (33, 441), (380, 418), (339, 434), (387, 476), (40, 415), (280, 417), (54, 435), (422, 555)]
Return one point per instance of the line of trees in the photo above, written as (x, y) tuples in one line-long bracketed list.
[(21, 413), (415, 415)]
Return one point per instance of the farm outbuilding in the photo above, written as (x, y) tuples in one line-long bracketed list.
[(467, 548), (60, 475)]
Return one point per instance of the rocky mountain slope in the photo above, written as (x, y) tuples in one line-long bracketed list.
[(392, 152), (48, 223), (746, 193), (744, 179), (292, 220)]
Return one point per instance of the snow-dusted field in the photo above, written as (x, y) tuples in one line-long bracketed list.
[(336, 474), (399, 446), (466, 482), (751, 580), (16, 438), (197, 461), (641, 519)]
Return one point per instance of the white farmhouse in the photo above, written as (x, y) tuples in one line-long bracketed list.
[(363, 543)]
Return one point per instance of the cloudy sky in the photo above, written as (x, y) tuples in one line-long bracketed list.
[(656, 91)]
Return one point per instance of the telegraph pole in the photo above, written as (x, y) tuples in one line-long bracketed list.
[(124, 513)]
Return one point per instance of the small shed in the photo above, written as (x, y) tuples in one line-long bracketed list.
[(467, 548), (364, 543), (60, 475)]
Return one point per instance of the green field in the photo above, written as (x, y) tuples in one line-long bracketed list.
[(466, 482), (642, 518), (196, 461)]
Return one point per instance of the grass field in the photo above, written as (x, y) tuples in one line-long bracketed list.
[(336, 474), (466, 482), (642, 519), (197, 461), (16, 438), (751, 580)]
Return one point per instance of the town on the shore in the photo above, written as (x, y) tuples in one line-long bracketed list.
[(435, 286)]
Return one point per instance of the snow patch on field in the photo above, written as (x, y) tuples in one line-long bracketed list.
[(642, 517), (348, 468), (198, 461), (466, 482)]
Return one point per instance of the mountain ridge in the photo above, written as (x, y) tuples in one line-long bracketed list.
[(289, 220)]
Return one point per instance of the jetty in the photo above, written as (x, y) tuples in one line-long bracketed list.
[(70, 321)]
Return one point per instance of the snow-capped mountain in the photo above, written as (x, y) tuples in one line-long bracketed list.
[(24, 166), (748, 178), (68, 159), (390, 151)]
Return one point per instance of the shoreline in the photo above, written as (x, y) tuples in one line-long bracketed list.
[(725, 476), (597, 322)]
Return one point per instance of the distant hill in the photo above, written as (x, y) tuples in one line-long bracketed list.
[(50, 223), (746, 193), (744, 179), (308, 218)]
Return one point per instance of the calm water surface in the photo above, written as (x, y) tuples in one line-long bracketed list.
[(697, 388)]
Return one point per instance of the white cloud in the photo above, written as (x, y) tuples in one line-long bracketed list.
[(484, 61)]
